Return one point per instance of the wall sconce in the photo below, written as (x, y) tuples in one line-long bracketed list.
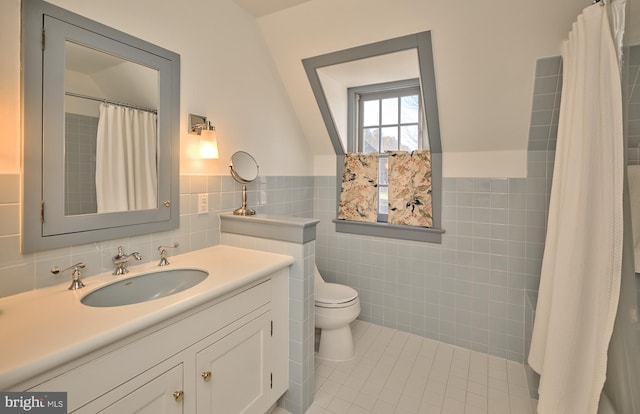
[(199, 125)]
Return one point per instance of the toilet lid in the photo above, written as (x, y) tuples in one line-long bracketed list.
[(334, 293)]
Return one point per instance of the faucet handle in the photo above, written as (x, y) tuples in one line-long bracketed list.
[(76, 283), (120, 254), (163, 253)]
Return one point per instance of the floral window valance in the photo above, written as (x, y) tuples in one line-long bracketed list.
[(359, 195), (410, 188)]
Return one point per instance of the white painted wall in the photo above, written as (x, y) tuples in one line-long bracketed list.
[(10, 142), (485, 54), (227, 74)]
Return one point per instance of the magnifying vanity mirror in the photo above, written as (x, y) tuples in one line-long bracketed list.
[(244, 169)]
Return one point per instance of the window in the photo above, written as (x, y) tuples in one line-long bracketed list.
[(387, 117), (384, 64)]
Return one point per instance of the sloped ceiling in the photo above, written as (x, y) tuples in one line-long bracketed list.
[(485, 56), (260, 8)]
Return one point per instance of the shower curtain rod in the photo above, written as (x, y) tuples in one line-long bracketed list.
[(93, 98)]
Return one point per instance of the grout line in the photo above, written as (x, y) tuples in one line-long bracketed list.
[(394, 371)]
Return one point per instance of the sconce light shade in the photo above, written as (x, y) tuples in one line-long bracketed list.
[(208, 144), (199, 125)]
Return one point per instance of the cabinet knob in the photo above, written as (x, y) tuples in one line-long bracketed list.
[(178, 395), (206, 375), (166, 203)]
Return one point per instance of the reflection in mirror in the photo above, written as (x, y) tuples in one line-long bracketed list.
[(110, 133), (244, 169)]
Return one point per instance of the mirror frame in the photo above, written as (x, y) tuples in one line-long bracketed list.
[(234, 172), (421, 42), (243, 210), (95, 227)]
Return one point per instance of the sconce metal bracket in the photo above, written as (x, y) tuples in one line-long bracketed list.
[(197, 123)]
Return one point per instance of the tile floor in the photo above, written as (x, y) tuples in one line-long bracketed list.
[(395, 372)]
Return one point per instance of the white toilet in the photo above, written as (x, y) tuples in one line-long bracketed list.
[(336, 306)]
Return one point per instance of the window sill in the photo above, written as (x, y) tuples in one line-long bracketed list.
[(394, 231)]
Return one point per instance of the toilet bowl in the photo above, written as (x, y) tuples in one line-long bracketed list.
[(336, 306)]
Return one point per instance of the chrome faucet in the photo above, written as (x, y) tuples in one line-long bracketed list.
[(121, 260), (76, 283), (163, 253)]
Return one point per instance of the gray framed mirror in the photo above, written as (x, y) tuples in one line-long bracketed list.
[(244, 169), (82, 81)]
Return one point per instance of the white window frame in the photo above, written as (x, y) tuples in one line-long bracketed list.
[(356, 98)]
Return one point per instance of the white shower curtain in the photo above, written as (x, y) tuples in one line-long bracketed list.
[(581, 267), (126, 171)]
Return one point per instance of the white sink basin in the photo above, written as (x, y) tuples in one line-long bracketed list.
[(145, 287)]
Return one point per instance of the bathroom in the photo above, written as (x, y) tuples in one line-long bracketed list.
[(476, 289)]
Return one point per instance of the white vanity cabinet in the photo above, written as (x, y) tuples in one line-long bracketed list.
[(227, 356)]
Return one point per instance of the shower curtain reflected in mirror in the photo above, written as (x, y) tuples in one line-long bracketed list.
[(126, 163)]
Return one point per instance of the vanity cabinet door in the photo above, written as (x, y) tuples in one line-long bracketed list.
[(234, 373), (162, 395)]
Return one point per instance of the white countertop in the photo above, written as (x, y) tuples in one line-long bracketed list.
[(45, 328)]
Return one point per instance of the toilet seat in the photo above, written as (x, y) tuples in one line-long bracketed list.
[(333, 295)]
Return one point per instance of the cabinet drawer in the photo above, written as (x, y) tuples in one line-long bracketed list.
[(151, 392)]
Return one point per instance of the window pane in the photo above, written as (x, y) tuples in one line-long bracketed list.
[(370, 140), (390, 111), (383, 171), (371, 114), (409, 109), (383, 200), (389, 139), (409, 138)]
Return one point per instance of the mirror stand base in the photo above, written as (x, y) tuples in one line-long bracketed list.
[(244, 211)]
